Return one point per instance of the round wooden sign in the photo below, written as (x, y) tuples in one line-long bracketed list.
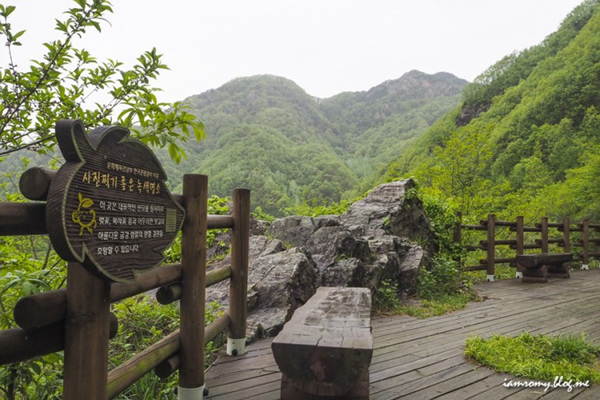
[(108, 207)]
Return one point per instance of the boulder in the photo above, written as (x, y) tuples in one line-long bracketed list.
[(373, 241), (296, 230), (259, 246), (390, 209), (408, 270), (279, 283), (346, 273), (330, 243)]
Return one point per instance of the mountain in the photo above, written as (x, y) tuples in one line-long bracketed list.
[(524, 139), (266, 133)]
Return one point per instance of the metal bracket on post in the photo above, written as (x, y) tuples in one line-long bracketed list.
[(236, 347), (519, 275), (489, 278), (191, 393), (585, 266)]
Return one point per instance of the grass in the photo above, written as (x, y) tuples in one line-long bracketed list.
[(387, 303), (438, 306), (538, 357)]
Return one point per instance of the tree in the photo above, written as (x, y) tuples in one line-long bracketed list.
[(462, 165), (64, 84), (66, 80)]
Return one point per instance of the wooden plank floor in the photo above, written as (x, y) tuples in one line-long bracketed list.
[(422, 359)]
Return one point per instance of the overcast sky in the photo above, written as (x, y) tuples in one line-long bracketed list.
[(325, 46)]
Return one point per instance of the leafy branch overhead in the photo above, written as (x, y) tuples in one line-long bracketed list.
[(68, 82)]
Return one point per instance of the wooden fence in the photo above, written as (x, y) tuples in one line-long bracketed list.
[(543, 236), (77, 319)]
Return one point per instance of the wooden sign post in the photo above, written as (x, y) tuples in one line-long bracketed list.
[(110, 215)]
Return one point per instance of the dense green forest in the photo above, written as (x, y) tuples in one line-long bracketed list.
[(267, 134), (525, 138), (521, 139), (290, 148)]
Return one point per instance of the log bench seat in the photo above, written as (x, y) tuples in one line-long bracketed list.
[(539, 267), (324, 351)]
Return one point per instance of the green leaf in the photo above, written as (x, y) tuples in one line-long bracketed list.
[(18, 35), (28, 288), (173, 153), (7, 11)]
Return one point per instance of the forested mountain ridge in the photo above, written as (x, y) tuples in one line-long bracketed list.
[(266, 133), (525, 139), (290, 148)]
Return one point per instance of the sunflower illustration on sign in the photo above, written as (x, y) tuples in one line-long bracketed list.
[(109, 207)]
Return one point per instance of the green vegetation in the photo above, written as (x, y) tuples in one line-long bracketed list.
[(520, 140), (65, 80), (28, 265), (442, 287), (295, 151), (143, 322), (538, 357), (386, 302), (524, 139)]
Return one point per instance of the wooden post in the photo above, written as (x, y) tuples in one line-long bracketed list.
[(544, 235), (236, 337), (458, 235), (566, 235), (86, 335), (520, 243), (491, 247), (585, 264), (193, 261)]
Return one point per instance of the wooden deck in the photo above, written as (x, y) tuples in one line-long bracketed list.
[(422, 359)]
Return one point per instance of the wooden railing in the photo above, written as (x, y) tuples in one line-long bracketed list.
[(77, 319), (584, 248)]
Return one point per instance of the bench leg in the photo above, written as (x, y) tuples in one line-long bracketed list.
[(558, 271), (535, 275), (358, 392)]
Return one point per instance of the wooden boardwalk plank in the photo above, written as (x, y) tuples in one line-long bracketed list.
[(423, 359)]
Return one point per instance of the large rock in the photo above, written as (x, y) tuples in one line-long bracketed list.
[(278, 284), (259, 247), (393, 209), (410, 265), (279, 281), (373, 241), (331, 243), (296, 230)]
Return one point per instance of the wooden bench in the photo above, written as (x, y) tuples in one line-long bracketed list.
[(539, 267), (324, 351)]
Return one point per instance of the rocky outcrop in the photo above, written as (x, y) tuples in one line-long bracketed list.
[(393, 209), (373, 241)]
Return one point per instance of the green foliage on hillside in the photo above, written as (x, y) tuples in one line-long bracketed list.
[(524, 140), (293, 150)]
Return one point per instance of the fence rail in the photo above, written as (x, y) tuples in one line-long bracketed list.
[(77, 319), (586, 243)]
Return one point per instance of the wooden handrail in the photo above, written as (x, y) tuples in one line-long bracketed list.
[(47, 308), (519, 244), (133, 369), (59, 319), (20, 344)]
